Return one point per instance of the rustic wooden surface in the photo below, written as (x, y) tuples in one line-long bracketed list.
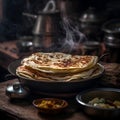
[(112, 75), (7, 53), (23, 109), (9, 48), (20, 109)]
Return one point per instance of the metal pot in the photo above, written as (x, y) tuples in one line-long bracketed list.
[(112, 27), (47, 23), (90, 23), (59, 87), (112, 33), (111, 30), (47, 28), (95, 111), (47, 20)]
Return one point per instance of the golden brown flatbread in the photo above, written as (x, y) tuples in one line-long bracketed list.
[(28, 72), (59, 62), (58, 66)]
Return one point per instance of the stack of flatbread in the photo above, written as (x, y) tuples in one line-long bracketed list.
[(57, 66)]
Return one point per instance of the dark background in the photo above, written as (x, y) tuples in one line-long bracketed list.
[(13, 24)]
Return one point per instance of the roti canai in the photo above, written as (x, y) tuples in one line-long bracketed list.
[(27, 72), (57, 66), (59, 62)]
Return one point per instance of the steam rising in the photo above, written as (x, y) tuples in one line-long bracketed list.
[(68, 42), (74, 37)]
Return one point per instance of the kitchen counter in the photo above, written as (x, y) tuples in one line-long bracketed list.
[(24, 110)]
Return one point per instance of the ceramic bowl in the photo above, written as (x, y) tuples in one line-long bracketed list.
[(50, 105)]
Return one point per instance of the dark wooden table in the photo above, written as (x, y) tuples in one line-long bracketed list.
[(23, 109), (7, 54)]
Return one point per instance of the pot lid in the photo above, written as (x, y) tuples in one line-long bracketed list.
[(90, 15), (16, 90)]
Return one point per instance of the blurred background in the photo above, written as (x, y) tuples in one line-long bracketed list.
[(14, 24)]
